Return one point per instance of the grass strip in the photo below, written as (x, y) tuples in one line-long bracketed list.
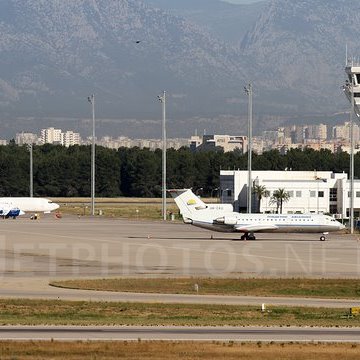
[(318, 288), (57, 312), (119, 210), (163, 350)]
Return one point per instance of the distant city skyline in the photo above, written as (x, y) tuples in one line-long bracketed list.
[(283, 139)]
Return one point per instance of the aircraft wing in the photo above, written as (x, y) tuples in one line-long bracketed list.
[(255, 227)]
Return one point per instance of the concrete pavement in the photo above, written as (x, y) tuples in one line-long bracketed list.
[(34, 252), (225, 333)]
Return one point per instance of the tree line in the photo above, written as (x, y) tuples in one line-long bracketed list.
[(61, 172)]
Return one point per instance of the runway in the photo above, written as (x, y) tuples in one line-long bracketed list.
[(294, 334)]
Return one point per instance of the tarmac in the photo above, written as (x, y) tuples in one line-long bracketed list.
[(34, 252)]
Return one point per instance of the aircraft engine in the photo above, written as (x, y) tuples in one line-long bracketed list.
[(227, 220)]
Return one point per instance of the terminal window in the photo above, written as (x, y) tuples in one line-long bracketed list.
[(333, 194)]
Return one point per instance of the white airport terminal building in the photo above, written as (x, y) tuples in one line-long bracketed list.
[(309, 191)]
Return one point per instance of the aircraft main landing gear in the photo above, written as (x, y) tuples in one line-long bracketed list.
[(248, 236)]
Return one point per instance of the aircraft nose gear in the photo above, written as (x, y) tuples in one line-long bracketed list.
[(322, 237)]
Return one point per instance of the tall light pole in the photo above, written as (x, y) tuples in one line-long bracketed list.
[(91, 100), (31, 188), (249, 92), (162, 99), (352, 158)]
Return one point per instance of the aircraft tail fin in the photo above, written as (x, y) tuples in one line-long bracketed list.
[(187, 202)]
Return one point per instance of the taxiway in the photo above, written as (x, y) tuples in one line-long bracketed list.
[(225, 333)]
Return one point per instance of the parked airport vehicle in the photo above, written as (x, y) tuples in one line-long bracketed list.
[(30, 204), (219, 218)]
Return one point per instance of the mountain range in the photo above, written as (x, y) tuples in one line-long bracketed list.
[(55, 53)]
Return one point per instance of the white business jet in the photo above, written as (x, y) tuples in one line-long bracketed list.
[(222, 218)]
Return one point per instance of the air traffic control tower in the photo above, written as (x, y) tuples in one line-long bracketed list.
[(352, 85)]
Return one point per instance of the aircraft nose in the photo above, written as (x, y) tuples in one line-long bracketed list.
[(341, 226), (55, 206)]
